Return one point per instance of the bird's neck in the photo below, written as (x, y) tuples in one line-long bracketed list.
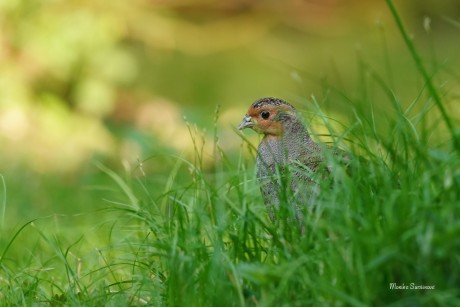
[(292, 130), (294, 127), (293, 141)]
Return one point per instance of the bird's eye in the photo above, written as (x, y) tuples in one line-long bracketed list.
[(265, 114)]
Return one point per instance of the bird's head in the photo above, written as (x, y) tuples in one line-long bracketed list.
[(268, 116)]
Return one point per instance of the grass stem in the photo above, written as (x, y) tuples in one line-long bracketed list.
[(427, 78)]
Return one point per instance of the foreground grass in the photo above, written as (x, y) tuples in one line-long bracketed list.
[(200, 236)]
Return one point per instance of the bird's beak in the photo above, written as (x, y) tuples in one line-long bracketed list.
[(246, 123)]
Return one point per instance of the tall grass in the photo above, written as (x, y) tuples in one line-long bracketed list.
[(3, 208), (200, 236)]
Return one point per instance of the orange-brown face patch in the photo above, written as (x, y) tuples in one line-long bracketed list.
[(269, 125)]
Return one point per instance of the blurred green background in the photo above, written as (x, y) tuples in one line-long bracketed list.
[(111, 81)]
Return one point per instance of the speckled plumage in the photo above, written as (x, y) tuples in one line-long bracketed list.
[(285, 155)]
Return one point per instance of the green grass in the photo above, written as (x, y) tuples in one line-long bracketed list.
[(200, 235)]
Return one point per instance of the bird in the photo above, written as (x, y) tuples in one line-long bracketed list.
[(287, 159)]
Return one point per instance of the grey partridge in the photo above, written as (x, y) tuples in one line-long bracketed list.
[(287, 157)]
